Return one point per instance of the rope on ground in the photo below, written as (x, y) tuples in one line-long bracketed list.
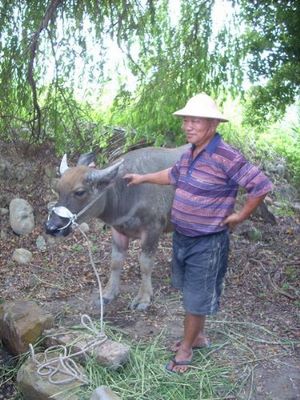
[(64, 363)]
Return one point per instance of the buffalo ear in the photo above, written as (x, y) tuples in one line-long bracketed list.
[(105, 175), (87, 159)]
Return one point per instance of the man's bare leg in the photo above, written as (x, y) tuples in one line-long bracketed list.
[(201, 340), (193, 331)]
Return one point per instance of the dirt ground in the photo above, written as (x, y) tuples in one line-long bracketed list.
[(256, 333)]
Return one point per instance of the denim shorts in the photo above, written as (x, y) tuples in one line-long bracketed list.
[(198, 268)]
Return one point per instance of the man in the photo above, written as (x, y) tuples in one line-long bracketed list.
[(206, 179)]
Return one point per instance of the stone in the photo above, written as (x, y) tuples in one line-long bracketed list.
[(22, 256), (295, 206), (21, 323), (21, 216), (84, 227), (41, 243), (33, 386), (254, 235), (3, 235), (104, 393), (4, 211), (109, 354)]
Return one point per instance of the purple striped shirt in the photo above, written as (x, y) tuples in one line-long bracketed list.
[(206, 187)]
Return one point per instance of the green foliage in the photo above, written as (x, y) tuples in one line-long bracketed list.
[(267, 143), (171, 59), (285, 142), (41, 45), (272, 48), (179, 62)]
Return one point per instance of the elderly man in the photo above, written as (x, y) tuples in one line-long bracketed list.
[(206, 179)]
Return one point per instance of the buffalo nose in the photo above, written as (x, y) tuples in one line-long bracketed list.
[(50, 228)]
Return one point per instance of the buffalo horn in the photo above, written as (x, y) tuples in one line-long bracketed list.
[(104, 175), (63, 165)]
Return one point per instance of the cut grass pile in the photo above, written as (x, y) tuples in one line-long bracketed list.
[(145, 376)]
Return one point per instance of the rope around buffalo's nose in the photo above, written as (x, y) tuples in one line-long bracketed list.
[(64, 363)]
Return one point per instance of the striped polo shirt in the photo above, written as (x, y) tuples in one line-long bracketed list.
[(206, 187)]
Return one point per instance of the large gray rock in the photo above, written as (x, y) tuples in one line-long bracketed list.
[(21, 216), (36, 387), (104, 393), (109, 354), (21, 323)]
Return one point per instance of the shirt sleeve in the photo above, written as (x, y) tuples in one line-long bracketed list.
[(249, 176), (174, 174)]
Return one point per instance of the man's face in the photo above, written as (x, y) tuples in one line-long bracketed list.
[(199, 131)]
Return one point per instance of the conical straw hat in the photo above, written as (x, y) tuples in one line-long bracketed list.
[(202, 106)]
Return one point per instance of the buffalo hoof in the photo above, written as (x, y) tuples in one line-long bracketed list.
[(138, 306), (106, 300), (97, 303)]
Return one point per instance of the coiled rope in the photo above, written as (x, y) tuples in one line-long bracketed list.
[(64, 363)]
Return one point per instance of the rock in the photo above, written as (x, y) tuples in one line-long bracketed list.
[(22, 323), (254, 234), (109, 354), (41, 243), (3, 235), (3, 211), (36, 387), (112, 354), (295, 206), (21, 216), (84, 227), (104, 393), (22, 256)]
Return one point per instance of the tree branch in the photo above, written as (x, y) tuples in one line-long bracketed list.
[(33, 50)]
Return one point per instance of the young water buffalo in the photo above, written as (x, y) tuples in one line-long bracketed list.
[(135, 212)]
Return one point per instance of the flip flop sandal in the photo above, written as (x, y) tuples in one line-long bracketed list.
[(203, 346), (175, 363)]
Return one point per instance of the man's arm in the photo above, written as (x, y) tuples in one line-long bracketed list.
[(160, 178), (238, 217)]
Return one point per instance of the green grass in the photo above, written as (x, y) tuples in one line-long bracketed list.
[(145, 376), (221, 372)]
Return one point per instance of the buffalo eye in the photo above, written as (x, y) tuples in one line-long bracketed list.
[(80, 193)]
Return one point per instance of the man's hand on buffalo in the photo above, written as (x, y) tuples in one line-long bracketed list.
[(160, 178), (134, 179)]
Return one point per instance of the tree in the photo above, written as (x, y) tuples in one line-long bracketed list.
[(272, 50), (173, 61)]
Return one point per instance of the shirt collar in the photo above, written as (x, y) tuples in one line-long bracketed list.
[(212, 145)]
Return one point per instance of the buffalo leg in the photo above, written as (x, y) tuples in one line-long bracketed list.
[(149, 244), (119, 251)]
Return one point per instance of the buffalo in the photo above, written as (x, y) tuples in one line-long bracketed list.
[(133, 212)]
